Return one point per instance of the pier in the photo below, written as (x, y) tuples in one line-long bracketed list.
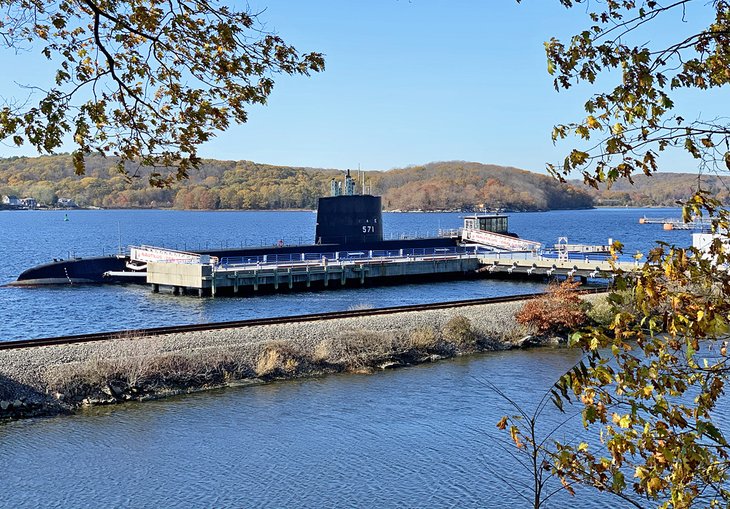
[(310, 270), (483, 248), (673, 223), (233, 276), (550, 268)]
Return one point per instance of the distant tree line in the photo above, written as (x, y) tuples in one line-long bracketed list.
[(661, 189), (452, 185)]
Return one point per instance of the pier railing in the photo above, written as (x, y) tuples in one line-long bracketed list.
[(351, 255)]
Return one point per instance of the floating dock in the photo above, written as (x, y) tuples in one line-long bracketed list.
[(673, 223), (549, 268)]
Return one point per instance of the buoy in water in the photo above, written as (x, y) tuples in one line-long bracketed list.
[(65, 217)]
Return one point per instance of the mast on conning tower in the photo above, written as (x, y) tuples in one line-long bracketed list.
[(349, 184)]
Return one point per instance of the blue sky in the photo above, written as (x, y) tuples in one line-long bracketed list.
[(408, 82)]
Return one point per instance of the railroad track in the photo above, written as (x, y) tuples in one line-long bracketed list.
[(177, 329)]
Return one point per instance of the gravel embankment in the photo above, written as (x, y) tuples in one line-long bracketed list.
[(26, 375)]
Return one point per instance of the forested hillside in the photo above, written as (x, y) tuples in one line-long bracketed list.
[(451, 185), (463, 185), (661, 189)]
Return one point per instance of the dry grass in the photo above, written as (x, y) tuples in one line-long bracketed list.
[(139, 373), (279, 359), (355, 349), (424, 339), (459, 332)]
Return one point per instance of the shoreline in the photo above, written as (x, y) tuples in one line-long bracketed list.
[(64, 379), (389, 211)]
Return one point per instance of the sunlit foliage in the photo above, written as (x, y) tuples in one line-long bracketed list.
[(650, 382), (630, 123)]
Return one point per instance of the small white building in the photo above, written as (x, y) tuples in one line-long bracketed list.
[(13, 201), (66, 203), (30, 203), (702, 242)]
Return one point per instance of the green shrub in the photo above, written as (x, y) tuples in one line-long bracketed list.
[(601, 313)]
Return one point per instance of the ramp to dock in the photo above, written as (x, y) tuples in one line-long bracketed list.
[(538, 266), (498, 240)]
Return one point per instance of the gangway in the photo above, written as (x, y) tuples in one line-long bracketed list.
[(146, 254), (492, 231), (498, 240)]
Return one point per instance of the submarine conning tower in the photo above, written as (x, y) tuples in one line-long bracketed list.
[(348, 218)]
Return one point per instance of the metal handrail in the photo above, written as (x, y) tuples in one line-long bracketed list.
[(345, 256)]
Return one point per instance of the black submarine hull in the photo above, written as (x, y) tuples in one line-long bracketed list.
[(78, 271), (114, 269)]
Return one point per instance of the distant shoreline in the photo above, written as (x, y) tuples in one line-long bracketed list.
[(389, 211)]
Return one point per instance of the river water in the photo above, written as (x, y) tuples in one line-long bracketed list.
[(33, 237), (423, 436)]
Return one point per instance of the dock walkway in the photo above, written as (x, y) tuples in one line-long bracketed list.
[(550, 267), (673, 223), (235, 276)]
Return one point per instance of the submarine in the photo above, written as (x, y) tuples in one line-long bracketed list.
[(346, 221)]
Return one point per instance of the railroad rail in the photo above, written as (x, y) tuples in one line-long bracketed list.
[(178, 329)]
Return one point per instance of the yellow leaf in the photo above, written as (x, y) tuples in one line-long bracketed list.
[(648, 390), (625, 421), (516, 437), (654, 485)]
